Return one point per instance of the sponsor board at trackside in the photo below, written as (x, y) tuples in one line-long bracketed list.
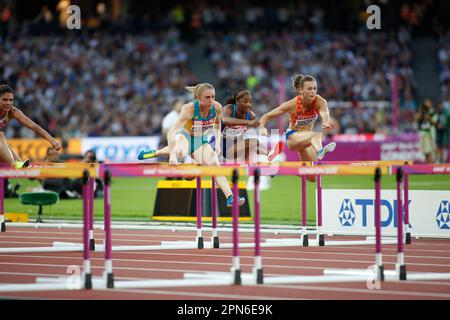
[(119, 149), (348, 211), (27, 173)]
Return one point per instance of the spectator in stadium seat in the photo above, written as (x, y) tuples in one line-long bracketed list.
[(426, 120), (442, 132)]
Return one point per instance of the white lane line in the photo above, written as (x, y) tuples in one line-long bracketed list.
[(386, 248), (322, 260), (370, 255), (368, 291), (203, 294), (200, 263)]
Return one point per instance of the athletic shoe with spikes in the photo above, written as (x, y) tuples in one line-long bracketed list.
[(230, 201), (328, 148), (146, 154), (21, 164)]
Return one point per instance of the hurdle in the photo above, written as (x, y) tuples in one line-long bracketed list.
[(256, 277), (163, 170), (378, 273), (399, 273), (55, 172), (215, 237), (385, 167), (2, 205), (226, 279), (110, 171)]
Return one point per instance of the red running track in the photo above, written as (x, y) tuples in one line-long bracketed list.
[(423, 255)]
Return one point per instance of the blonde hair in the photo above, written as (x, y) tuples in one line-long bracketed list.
[(198, 89), (300, 79)]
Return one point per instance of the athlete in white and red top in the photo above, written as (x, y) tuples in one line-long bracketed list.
[(303, 112), (8, 112)]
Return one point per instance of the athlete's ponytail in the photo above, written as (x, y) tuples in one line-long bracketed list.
[(300, 79)]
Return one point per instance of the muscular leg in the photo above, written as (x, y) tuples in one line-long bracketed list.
[(5, 152), (307, 144), (181, 146), (262, 148), (252, 150), (14, 153), (162, 152), (308, 154), (206, 155), (235, 152), (304, 139)]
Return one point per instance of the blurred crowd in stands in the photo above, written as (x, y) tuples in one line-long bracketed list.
[(348, 67), (97, 86), (124, 76), (444, 66)]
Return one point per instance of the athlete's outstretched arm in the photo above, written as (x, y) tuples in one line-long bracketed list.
[(286, 107), (27, 122), (228, 120), (324, 114)]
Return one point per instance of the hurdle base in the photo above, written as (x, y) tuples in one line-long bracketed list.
[(3, 228), (401, 271), (236, 274), (380, 275), (305, 240), (88, 281), (259, 276), (110, 281), (92, 244), (200, 244), (408, 238), (215, 242), (321, 240)]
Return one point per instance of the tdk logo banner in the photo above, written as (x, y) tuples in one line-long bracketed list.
[(443, 215), (346, 211), (347, 214)]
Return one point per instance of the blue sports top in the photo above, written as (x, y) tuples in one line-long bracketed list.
[(235, 130)]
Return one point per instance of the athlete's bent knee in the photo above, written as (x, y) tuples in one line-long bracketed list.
[(179, 152)]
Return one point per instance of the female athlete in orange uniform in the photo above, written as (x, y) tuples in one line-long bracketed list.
[(303, 112)]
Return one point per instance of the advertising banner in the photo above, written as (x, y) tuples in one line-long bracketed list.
[(119, 149), (367, 147), (352, 212), (36, 149)]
